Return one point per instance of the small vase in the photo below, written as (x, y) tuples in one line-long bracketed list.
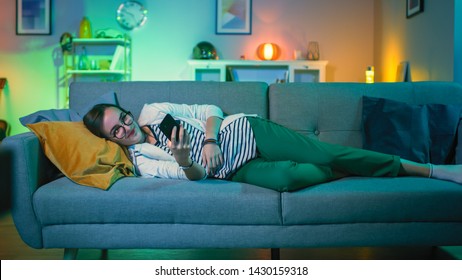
[(313, 51), (85, 28)]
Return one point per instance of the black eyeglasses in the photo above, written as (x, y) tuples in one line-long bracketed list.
[(119, 131)]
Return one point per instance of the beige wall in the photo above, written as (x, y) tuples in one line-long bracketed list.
[(425, 40), (344, 30)]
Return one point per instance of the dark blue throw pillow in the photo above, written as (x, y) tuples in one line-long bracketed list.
[(421, 133), (67, 115)]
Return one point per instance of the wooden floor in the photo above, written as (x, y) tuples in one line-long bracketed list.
[(13, 248)]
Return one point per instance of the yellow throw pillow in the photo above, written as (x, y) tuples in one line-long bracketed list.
[(81, 156)]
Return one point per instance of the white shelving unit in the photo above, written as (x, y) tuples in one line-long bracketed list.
[(267, 71), (113, 53)]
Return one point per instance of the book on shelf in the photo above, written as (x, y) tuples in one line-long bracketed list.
[(118, 59), (403, 74)]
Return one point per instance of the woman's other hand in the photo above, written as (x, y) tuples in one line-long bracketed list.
[(213, 157)]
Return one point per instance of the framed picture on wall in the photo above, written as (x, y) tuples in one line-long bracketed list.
[(413, 7), (33, 17), (234, 17)]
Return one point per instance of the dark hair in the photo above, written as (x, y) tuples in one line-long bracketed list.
[(93, 120)]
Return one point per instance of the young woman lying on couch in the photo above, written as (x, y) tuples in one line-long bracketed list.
[(242, 148)]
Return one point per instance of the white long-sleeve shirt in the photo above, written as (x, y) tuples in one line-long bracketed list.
[(237, 143)]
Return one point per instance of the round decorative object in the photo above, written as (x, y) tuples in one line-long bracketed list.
[(131, 14), (66, 42), (268, 51), (204, 50)]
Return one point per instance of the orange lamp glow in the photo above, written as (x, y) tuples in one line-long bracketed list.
[(268, 51)]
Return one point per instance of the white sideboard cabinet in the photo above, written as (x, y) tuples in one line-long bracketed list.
[(254, 70)]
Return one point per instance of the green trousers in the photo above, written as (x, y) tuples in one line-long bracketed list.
[(289, 161)]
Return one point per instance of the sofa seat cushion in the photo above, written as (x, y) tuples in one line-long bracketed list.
[(374, 200), (149, 201)]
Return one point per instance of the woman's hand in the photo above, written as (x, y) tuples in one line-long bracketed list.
[(213, 157), (180, 147)]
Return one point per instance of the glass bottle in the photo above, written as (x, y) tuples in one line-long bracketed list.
[(83, 60)]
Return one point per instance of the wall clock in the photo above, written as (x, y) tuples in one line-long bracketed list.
[(131, 14)]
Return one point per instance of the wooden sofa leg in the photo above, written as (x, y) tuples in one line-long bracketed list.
[(104, 254), (275, 254), (70, 253)]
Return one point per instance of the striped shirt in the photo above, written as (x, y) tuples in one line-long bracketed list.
[(237, 143)]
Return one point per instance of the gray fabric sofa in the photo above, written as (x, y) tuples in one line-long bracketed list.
[(52, 212)]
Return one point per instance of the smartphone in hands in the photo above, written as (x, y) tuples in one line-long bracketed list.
[(167, 125)]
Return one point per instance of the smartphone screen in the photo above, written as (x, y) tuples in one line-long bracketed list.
[(167, 125)]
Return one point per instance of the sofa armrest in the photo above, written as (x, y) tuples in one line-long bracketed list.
[(30, 169)]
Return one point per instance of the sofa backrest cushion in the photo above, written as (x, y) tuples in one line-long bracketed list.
[(421, 133), (232, 97), (332, 112)]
